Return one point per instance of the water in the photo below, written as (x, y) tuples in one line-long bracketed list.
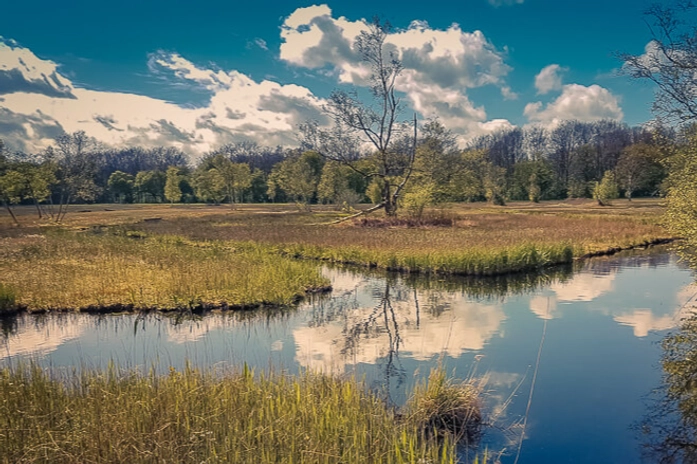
[(598, 328)]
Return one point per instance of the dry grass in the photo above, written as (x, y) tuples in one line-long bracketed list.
[(482, 240), (95, 270), (442, 408), (479, 240), (194, 417)]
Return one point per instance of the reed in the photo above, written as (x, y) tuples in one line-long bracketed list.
[(194, 416)]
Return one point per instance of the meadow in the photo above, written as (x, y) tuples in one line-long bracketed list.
[(464, 239)]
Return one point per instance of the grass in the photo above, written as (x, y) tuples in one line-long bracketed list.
[(93, 271), (480, 241), (194, 416), (199, 256), (8, 299), (441, 408)]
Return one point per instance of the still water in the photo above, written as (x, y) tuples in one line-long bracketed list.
[(588, 337)]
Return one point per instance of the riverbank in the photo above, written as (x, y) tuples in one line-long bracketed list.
[(194, 416), (97, 271), (196, 258)]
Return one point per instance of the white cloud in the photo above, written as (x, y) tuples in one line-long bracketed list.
[(498, 3), (46, 103), (22, 71), (508, 94), (577, 102), (261, 43), (439, 65), (549, 79)]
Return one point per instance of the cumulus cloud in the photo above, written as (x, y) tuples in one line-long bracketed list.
[(577, 102), (22, 71), (47, 104), (439, 65), (549, 79)]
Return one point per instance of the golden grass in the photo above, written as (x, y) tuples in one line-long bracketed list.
[(90, 271), (482, 241), (194, 416)]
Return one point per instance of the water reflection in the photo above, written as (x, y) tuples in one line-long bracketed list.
[(598, 358)]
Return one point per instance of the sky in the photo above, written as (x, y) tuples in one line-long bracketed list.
[(197, 75)]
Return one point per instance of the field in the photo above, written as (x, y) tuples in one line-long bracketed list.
[(172, 257)]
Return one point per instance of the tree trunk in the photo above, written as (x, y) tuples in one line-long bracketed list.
[(38, 208), (388, 200), (9, 210)]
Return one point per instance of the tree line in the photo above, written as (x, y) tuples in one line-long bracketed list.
[(568, 161)]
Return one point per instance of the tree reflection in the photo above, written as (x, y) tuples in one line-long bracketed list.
[(670, 429)]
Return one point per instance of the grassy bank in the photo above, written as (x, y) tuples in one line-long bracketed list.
[(471, 241), (94, 271), (193, 417)]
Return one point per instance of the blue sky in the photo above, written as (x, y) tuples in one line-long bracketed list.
[(200, 74)]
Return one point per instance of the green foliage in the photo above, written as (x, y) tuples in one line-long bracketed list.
[(417, 198), (531, 180), (150, 186), (340, 184), (173, 191), (237, 177), (13, 186), (297, 177), (606, 190), (682, 192), (121, 186), (639, 169), (210, 185), (579, 188), (495, 185), (374, 190)]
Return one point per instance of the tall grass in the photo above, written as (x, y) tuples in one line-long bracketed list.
[(194, 416), (441, 407), (66, 270)]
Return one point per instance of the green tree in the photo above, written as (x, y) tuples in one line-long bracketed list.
[(173, 191), (339, 184), (210, 185), (495, 184), (120, 185), (531, 180), (40, 179), (13, 187), (297, 176), (606, 190), (257, 192), (150, 186), (639, 169)]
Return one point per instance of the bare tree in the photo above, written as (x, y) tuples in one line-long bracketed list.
[(670, 60), (75, 167), (357, 125)]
